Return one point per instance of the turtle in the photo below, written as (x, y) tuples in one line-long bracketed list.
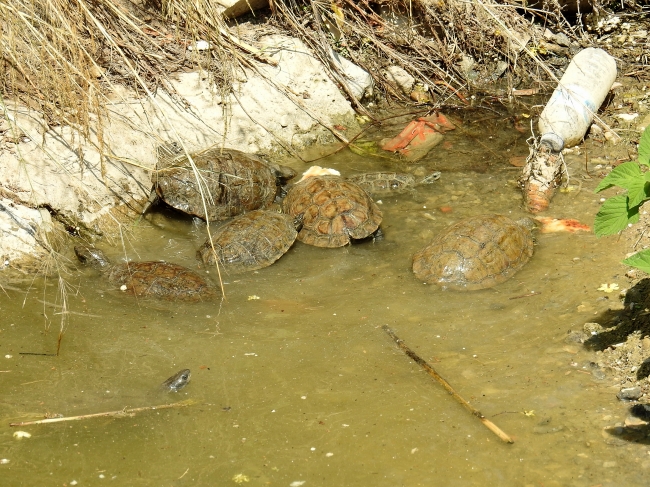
[(155, 278), (475, 253), (381, 183), (333, 211), (250, 241), (177, 381), (233, 182)]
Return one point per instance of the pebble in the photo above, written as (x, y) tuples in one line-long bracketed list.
[(632, 421), (629, 393), (576, 337), (592, 328)]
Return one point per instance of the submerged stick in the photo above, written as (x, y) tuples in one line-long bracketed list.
[(430, 370), (115, 414)]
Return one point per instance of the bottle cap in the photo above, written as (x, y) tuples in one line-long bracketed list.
[(554, 141)]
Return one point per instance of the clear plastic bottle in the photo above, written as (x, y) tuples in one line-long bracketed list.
[(582, 89)]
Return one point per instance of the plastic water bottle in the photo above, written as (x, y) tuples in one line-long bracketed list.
[(582, 89)]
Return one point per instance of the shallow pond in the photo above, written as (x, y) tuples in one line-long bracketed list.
[(293, 379)]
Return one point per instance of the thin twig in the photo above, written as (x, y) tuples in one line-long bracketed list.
[(430, 370), (525, 295), (114, 414)]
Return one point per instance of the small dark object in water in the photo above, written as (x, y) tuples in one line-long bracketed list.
[(160, 279), (177, 381)]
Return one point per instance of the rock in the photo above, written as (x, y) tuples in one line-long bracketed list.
[(634, 422), (629, 393), (19, 227), (592, 328), (400, 77), (500, 69), (358, 79), (466, 66), (576, 337), (235, 8), (562, 39)]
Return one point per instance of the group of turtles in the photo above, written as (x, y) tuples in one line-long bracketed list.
[(323, 210)]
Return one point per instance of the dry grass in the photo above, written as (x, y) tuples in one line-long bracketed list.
[(428, 38)]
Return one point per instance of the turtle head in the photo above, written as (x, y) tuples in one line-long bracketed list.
[(91, 256), (284, 174), (528, 223), (431, 178)]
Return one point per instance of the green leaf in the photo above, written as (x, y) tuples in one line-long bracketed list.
[(644, 147), (636, 193), (623, 175), (614, 216), (640, 260)]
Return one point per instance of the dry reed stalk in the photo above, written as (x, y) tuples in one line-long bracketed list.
[(427, 39), (432, 372), (122, 413)]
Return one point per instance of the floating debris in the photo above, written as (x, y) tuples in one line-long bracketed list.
[(552, 225), (240, 478), (19, 435), (608, 288), (319, 171)]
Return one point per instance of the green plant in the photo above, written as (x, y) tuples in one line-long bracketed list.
[(622, 210)]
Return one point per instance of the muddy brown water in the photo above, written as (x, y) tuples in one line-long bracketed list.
[(293, 380)]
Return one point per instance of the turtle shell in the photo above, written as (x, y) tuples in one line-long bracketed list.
[(333, 211), (250, 241), (160, 279), (475, 253), (233, 183)]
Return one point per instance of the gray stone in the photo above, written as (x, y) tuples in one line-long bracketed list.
[(358, 79), (629, 393), (400, 77)]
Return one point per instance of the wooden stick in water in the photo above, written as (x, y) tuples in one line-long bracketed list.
[(430, 370), (115, 414)]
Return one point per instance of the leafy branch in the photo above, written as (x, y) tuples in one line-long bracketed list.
[(621, 210)]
